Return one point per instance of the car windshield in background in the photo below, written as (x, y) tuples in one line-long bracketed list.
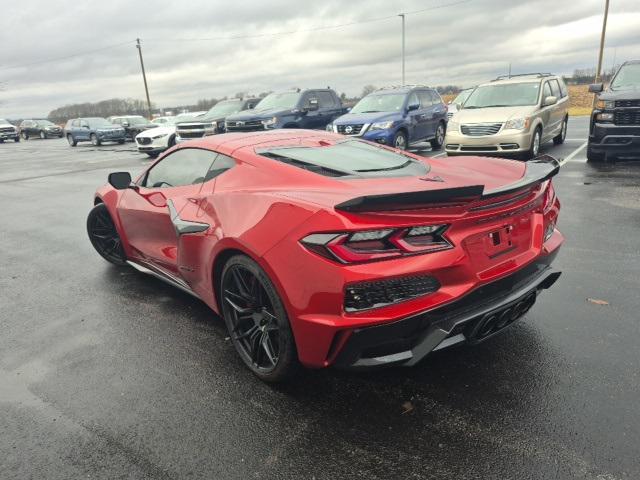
[(279, 100), (380, 103), (504, 95), (99, 123), (462, 97), (627, 77), (350, 157), (222, 109)]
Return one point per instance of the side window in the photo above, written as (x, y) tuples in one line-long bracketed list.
[(117, 121), (435, 97), (76, 123), (563, 88), (221, 164), (555, 89), (309, 98), (425, 99), (413, 99), (186, 166), (546, 91), (84, 124), (326, 100)]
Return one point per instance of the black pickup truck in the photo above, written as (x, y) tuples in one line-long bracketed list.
[(312, 108), (615, 122)]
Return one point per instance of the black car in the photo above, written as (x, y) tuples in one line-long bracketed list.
[(615, 122), (40, 128), (313, 109), (132, 124)]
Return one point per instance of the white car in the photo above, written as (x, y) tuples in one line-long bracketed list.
[(156, 140), (8, 131)]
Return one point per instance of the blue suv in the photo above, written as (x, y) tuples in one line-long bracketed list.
[(397, 116), (93, 129)]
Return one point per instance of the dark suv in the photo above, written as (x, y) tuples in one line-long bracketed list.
[(39, 128), (615, 122), (314, 108), (93, 129), (397, 116), (212, 122), (132, 124)]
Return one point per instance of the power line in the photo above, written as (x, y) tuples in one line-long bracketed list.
[(305, 30), (79, 54)]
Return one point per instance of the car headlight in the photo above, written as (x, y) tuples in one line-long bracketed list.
[(382, 125), (329, 127), (453, 126), (160, 136), (517, 124), (270, 121), (604, 104), (604, 117)]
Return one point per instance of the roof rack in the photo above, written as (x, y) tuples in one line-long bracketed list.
[(534, 74), (393, 87)]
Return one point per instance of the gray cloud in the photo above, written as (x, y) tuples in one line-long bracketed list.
[(462, 44)]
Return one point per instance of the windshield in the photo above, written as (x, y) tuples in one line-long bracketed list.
[(380, 103), (136, 120), (279, 100), (504, 95), (222, 109), (349, 157), (45, 123), (627, 77), (462, 97), (99, 122)]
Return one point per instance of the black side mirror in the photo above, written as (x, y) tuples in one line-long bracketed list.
[(120, 180), (596, 87), (413, 106)]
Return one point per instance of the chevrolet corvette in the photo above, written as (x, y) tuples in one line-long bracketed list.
[(319, 250)]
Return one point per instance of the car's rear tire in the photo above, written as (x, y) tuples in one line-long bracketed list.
[(95, 141), (43, 134), (595, 157), (25, 135), (104, 236), (438, 140), (72, 141), (400, 140), (559, 139), (121, 142), (256, 320)]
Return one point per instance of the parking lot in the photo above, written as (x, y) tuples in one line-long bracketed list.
[(107, 373)]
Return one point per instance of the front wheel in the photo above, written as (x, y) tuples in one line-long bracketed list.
[(25, 136), (71, 140), (121, 141), (104, 236), (400, 140), (153, 154), (534, 149), (95, 141), (438, 140), (256, 320), (559, 139), (595, 157), (43, 134), (17, 139)]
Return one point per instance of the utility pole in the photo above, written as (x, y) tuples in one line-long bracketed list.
[(509, 69), (403, 79), (601, 53), (144, 76)]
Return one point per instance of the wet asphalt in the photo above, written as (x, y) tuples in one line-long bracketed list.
[(107, 373)]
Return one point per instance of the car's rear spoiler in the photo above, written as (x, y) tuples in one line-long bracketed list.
[(537, 171)]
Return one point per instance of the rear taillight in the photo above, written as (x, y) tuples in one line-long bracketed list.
[(371, 245)]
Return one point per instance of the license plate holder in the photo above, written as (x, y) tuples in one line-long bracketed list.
[(499, 241)]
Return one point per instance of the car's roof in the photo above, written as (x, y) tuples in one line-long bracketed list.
[(631, 62), (534, 77)]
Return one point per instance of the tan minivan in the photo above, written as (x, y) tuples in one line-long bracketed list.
[(510, 116)]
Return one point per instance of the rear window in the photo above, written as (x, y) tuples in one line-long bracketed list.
[(348, 158)]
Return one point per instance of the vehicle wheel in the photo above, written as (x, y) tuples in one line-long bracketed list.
[(559, 139), (595, 157), (121, 142), (534, 149), (172, 141), (104, 235), (256, 320), (400, 140), (71, 140), (95, 141), (25, 136), (43, 134), (153, 154), (1, 140), (436, 143), (17, 139)]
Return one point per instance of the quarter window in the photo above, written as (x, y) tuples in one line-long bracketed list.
[(221, 164), (187, 166)]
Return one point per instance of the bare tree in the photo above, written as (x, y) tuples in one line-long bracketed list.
[(368, 89)]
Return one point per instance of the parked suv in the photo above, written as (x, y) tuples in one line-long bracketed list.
[(511, 115), (615, 122), (39, 128), (8, 131), (212, 122), (313, 108), (397, 116), (93, 129), (132, 124)]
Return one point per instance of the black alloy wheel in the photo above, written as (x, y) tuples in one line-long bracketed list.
[(438, 140), (256, 320), (104, 236)]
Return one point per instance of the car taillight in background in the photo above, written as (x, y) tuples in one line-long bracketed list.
[(371, 245)]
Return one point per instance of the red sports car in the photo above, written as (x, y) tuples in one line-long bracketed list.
[(322, 250)]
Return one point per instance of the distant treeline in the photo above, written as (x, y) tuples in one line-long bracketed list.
[(105, 108)]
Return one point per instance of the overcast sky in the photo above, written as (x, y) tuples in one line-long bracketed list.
[(459, 44)]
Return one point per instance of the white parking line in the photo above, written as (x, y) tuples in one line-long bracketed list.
[(569, 158)]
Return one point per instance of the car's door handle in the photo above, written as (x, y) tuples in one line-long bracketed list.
[(181, 226)]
